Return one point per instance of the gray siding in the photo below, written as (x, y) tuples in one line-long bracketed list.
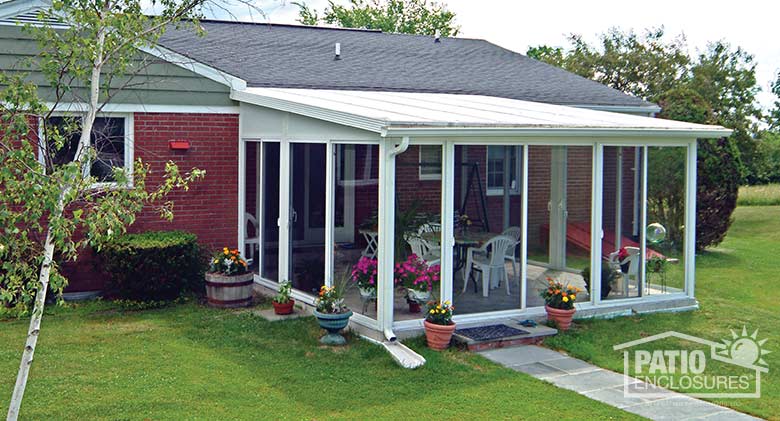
[(157, 83)]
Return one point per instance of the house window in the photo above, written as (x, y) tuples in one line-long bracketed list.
[(495, 170), (110, 138), (430, 162)]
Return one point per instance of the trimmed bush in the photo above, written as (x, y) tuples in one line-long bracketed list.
[(152, 266)]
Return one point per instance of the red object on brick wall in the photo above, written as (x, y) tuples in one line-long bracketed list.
[(209, 209)]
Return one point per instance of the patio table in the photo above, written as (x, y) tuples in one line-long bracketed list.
[(462, 243)]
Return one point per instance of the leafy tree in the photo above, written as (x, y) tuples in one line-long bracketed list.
[(717, 87), (422, 17), (53, 207), (774, 113)]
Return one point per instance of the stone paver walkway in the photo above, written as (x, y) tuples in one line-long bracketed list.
[(607, 386)]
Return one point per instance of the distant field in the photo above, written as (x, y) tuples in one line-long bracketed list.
[(766, 195)]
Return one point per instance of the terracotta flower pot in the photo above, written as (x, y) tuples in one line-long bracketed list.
[(562, 318), (414, 306), (438, 336), (286, 308)]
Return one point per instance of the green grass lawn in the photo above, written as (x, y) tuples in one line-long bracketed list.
[(735, 285), (193, 362), (766, 195)]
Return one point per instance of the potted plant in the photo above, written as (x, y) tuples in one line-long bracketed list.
[(559, 303), (608, 276), (283, 303), (438, 324), (331, 313), (364, 274), (417, 279), (228, 280)]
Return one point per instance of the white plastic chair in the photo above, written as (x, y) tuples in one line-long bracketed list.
[(423, 250), (252, 240), (488, 259), (513, 233), (427, 227), (633, 265)]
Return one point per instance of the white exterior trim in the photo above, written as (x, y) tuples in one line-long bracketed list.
[(690, 220), (76, 107), (554, 132), (596, 211)]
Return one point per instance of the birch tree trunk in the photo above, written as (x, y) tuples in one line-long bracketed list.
[(43, 278), (35, 326)]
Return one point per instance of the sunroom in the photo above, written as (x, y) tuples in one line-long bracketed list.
[(494, 195)]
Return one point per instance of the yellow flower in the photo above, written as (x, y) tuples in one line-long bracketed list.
[(565, 299), (573, 297)]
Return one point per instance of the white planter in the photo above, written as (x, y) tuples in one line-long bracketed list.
[(418, 296), (367, 294)]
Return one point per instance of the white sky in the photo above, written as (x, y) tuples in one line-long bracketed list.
[(516, 25)]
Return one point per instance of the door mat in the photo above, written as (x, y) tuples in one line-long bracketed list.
[(490, 332)]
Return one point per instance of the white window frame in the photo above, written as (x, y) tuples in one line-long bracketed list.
[(129, 143), (423, 176), (499, 191)]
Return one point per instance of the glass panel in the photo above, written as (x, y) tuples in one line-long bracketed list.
[(356, 231), (664, 233), (108, 138), (417, 229), (559, 209), (307, 216), (430, 161), (621, 219), (487, 229), (251, 228), (270, 203)]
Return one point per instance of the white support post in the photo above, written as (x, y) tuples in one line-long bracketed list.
[(284, 210), (642, 225), (448, 220), (524, 233), (386, 240), (595, 222), (330, 207), (241, 195), (619, 199), (690, 220)]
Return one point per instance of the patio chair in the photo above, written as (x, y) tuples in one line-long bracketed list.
[(633, 266), (431, 227), (514, 233), (253, 239), (487, 260), (423, 250)]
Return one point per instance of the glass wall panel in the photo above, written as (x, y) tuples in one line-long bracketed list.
[(356, 233), (417, 228), (269, 202), (559, 218), (307, 216), (664, 233), (622, 275), (488, 227)]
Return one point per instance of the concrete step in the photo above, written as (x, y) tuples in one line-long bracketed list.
[(535, 335)]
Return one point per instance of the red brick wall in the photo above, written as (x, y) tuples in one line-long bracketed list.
[(209, 208)]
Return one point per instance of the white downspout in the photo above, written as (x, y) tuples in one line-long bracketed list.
[(386, 221)]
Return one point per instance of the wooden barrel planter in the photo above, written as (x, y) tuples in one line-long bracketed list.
[(229, 291)]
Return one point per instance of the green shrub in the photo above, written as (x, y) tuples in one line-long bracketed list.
[(152, 266)]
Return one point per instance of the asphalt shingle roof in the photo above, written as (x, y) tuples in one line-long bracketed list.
[(290, 56)]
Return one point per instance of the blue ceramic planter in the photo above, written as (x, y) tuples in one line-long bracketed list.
[(333, 323)]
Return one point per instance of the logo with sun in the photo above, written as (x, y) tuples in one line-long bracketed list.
[(745, 350)]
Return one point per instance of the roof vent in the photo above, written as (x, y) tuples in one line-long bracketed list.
[(338, 51), (437, 36)]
